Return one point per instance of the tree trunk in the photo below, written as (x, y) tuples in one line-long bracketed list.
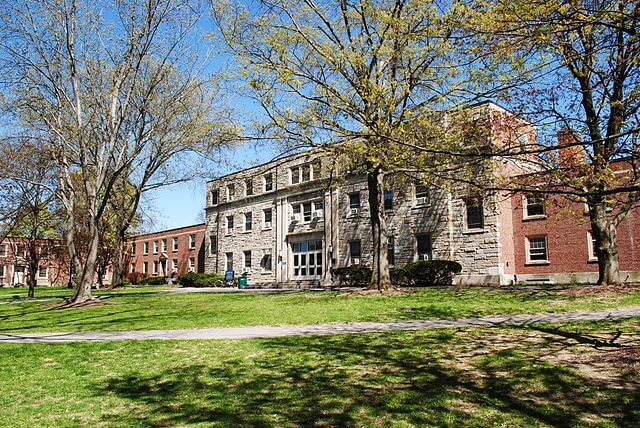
[(118, 261), (380, 278), (33, 268), (86, 269), (604, 231)]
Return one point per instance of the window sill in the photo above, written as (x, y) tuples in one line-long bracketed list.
[(267, 228), (592, 260), (473, 231), (534, 217), (420, 206), (537, 262), (244, 232)]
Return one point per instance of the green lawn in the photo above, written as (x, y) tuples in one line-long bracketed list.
[(136, 309), (20, 293), (535, 376)]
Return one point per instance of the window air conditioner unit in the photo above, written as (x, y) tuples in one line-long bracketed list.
[(424, 257), (354, 211), (191, 269), (267, 225), (317, 214), (421, 200), (355, 261), (295, 218)]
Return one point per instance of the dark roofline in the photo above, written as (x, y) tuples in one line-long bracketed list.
[(166, 230)]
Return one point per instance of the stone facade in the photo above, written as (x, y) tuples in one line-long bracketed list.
[(315, 224)]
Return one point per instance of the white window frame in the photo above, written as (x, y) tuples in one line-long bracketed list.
[(155, 247), (591, 247), (132, 267), (424, 198), (315, 213), (145, 248), (244, 261), (145, 267), (244, 223), (174, 244), (164, 245), (525, 209), (231, 192), (192, 264), (265, 181), (174, 265), (229, 230), (266, 252), (529, 261), (226, 261), (192, 241), (154, 267), (266, 225), (41, 270)]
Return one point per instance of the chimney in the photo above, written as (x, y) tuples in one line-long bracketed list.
[(569, 153)]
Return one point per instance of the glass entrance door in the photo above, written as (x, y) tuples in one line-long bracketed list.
[(307, 259)]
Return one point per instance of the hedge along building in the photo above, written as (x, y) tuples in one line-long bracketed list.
[(291, 221)]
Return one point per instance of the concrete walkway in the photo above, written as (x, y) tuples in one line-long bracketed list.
[(317, 329)]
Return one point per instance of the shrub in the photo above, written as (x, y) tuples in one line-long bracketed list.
[(432, 272), (352, 276), (135, 278), (201, 279), (154, 280)]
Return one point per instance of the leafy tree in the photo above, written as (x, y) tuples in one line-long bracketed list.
[(361, 75), (573, 68)]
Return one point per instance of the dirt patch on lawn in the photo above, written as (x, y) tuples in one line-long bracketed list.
[(390, 292), (85, 304), (590, 290)]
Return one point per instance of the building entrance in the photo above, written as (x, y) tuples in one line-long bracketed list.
[(307, 259)]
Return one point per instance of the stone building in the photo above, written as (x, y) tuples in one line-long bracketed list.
[(293, 220)]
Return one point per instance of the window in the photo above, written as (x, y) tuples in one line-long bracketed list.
[(146, 248), (192, 264), (229, 263), (266, 224), (164, 245), (214, 197), (422, 194), (391, 251), (423, 247), (268, 182), (388, 199), (1, 271), (213, 244), (192, 242), (475, 214), (155, 267), (3, 250), (21, 251), (316, 171), (133, 249), (591, 247), (175, 244), (247, 259), (174, 265), (307, 211), (132, 268), (266, 261), (306, 173), (231, 192), (537, 249), (354, 202), (230, 225), (355, 252), (534, 205), (42, 272), (248, 221), (248, 186), (155, 247), (295, 175), (145, 267)]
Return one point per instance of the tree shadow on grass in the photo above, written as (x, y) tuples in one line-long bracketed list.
[(381, 379)]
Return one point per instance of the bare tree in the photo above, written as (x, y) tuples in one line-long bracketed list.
[(114, 89)]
